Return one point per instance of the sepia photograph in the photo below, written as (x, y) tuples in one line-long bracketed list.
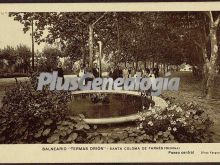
[(109, 77)]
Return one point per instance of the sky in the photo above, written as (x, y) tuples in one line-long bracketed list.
[(11, 33)]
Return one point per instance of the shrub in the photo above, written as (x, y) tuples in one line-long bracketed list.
[(186, 123), (12, 75), (30, 116)]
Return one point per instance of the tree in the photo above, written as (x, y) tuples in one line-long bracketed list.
[(10, 55), (28, 20), (48, 59), (208, 46), (170, 38), (211, 63), (67, 28), (197, 43), (23, 57)]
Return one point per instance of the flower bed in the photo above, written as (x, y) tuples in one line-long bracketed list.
[(172, 125), (177, 124)]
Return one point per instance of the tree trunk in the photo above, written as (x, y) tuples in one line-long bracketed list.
[(153, 62), (32, 37), (145, 64), (205, 78), (91, 46), (136, 64), (150, 64), (83, 56), (212, 62), (118, 39)]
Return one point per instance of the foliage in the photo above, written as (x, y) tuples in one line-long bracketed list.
[(189, 124), (30, 116), (18, 57), (48, 59), (9, 53), (23, 59), (173, 125), (68, 66), (120, 135), (159, 36)]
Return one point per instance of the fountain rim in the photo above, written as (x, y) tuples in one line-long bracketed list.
[(121, 119)]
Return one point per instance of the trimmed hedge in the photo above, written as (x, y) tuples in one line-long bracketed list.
[(12, 75)]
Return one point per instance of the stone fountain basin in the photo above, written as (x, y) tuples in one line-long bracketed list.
[(122, 119)]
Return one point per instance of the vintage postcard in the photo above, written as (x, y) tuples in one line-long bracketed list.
[(110, 82)]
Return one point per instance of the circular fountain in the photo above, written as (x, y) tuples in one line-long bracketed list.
[(123, 106)]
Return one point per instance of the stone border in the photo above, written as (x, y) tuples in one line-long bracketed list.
[(113, 120)]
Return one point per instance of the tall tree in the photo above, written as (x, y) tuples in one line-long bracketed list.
[(23, 55)]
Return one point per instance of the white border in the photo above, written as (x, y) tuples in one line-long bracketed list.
[(101, 7), (32, 153)]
